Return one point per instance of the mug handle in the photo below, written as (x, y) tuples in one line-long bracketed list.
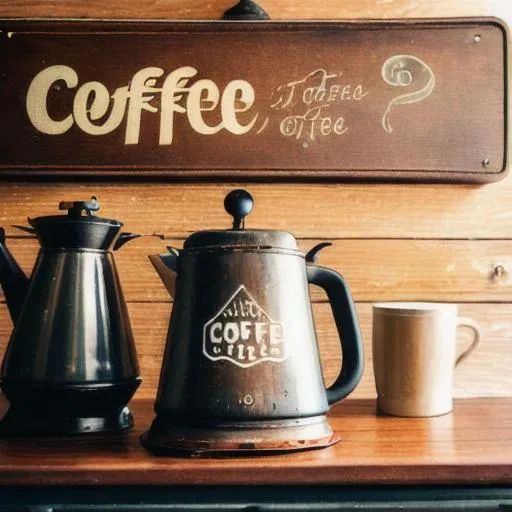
[(463, 321), (349, 333)]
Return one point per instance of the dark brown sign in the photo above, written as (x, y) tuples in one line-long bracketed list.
[(408, 100)]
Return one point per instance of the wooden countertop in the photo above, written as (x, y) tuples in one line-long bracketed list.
[(472, 445)]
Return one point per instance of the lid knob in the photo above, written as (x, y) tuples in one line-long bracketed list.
[(239, 203), (75, 208)]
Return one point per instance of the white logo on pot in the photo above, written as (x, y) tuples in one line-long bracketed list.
[(241, 332)]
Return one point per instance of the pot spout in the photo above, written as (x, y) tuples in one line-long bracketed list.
[(166, 266), (12, 279)]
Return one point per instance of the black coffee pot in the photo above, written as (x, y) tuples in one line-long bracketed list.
[(241, 369), (70, 366)]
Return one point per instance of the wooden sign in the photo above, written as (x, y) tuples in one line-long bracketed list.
[(417, 100)]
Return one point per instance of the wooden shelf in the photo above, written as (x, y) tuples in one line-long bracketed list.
[(472, 445)]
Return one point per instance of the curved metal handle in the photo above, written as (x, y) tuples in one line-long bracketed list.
[(345, 317)]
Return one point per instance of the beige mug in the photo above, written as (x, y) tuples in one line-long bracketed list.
[(414, 356)]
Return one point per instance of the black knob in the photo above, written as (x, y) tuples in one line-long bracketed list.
[(239, 203), (246, 10), (75, 208)]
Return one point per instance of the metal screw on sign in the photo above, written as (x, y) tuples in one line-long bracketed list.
[(246, 10)]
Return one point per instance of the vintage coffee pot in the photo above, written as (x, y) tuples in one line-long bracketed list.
[(241, 369), (70, 365)]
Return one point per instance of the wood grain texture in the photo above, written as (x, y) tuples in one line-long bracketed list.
[(463, 447), (485, 373), (308, 211), (286, 9), (458, 270)]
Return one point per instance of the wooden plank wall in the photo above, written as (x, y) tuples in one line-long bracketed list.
[(450, 243)]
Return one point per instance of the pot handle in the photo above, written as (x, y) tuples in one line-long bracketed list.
[(345, 317)]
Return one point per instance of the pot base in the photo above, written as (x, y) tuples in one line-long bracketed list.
[(236, 438), (66, 409), (22, 424)]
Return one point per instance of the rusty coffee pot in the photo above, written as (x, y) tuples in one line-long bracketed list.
[(70, 366), (241, 369)]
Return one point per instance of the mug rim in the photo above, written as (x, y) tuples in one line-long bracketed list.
[(413, 307)]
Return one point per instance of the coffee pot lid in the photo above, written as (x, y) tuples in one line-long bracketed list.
[(80, 228), (239, 203)]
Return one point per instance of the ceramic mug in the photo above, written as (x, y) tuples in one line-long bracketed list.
[(414, 356)]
